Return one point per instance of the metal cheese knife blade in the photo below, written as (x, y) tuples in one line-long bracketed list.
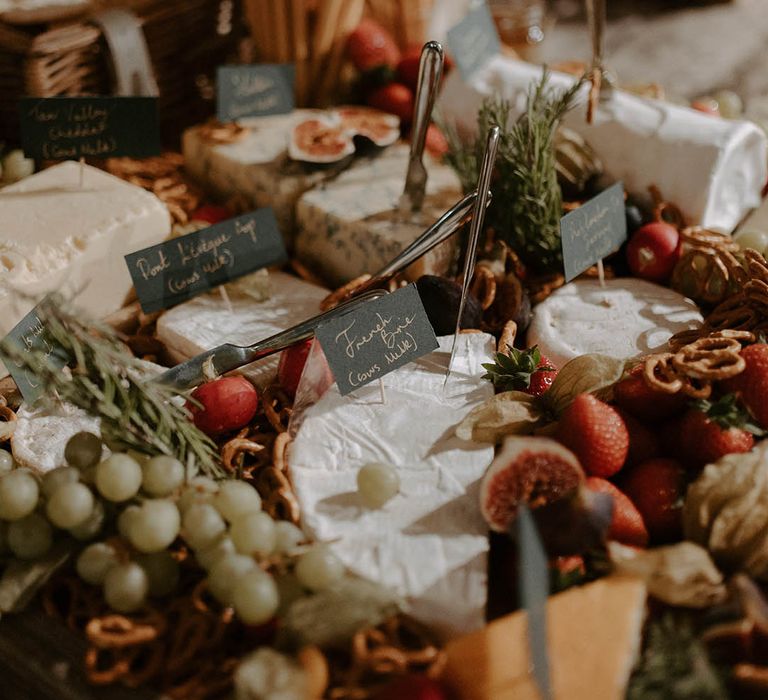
[(430, 71)]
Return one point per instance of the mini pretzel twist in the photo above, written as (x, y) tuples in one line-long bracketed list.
[(277, 407), (117, 631), (712, 358), (484, 286), (660, 375), (507, 338)]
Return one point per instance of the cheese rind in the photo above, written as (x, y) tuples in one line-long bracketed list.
[(206, 321), (351, 225), (626, 318), (430, 542), (713, 169), (58, 235)]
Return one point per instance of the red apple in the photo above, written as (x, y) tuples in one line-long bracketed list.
[(653, 251), (226, 404)]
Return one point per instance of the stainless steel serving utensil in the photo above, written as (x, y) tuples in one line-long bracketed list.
[(225, 358), (430, 71)]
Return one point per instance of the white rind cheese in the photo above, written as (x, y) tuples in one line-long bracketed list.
[(351, 225), (206, 321), (713, 169), (430, 542), (57, 235), (256, 168), (626, 318)]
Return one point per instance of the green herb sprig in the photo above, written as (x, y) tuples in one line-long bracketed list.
[(527, 201), (101, 377)]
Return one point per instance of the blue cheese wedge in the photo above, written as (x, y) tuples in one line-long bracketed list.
[(430, 542), (351, 225), (208, 320), (256, 168)]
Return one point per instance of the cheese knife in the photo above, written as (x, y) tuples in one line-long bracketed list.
[(430, 72)]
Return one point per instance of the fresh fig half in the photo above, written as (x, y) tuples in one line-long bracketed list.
[(534, 470), (378, 127), (320, 141)]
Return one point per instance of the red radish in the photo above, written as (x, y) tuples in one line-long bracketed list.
[(211, 213), (653, 251), (226, 404), (292, 361)]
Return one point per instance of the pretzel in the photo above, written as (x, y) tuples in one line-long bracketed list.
[(217, 132), (507, 338), (712, 358), (279, 449), (660, 375), (117, 631), (484, 286), (280, 501), (233, 451), (277, 407), (339, 295)]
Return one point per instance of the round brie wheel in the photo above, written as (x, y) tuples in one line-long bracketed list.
[(627, 317)]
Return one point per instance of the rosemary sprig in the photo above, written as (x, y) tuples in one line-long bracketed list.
[(104, 379), (527, 201)]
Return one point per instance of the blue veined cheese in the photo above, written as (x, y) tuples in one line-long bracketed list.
[(257, 167), (207, 321), (351, 225), (58, 235), (430, 542)]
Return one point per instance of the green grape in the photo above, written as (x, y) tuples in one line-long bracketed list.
[(162, 475), (224, 574), (6, 461), (162, 572), (125, 587), (255, 597), (83, 450), (18, 494), (58, 477), (30, 537), (201, 489), (212, 553), (377, 484), (289, 590), (202, 525), (752, 238), (95, 561), (156, 526), (70, 505), (92, 525), (287, 536), (253, 533), (319, 568), (118, 477), (237, 498), (126, 519)]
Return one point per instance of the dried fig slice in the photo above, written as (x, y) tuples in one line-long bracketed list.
[(320, 141), (532, 470), (380, 128)]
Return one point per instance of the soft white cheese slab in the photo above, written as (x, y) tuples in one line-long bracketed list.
[(55, 234), (351, 225), (430, 542), (713, 169), (207, 321), (626, 318), (256, 168)]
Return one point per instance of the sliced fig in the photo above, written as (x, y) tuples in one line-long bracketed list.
[(318, 140), (380, 128), (533, 470), (441, 298)]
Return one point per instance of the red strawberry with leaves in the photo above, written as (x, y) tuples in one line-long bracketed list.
[(370, 46), (644, 444), (636, 397), (521, 370), (752, 384), (657, 487), (627, 524), (709, 431), (394, 98), (596, 434)]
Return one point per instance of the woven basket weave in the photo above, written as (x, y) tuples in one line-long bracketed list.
[(187, 39)]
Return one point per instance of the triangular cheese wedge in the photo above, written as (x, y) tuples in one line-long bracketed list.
[(594, 634)]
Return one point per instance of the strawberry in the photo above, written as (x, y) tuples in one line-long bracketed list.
[(291, 365), (436, 143), (394, 98), (653, 251), (644, 444), (635, 396), (408, 67), (709, 431), (224, 404), (521, 370), (656, 487), (412, 687), (370, 45), (211, 213), (596, 434), (627, 524), (752, 384)]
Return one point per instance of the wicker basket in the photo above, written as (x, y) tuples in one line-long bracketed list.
[(187, 39)]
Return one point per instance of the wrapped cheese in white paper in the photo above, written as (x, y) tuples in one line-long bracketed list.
[(713, 169), (430, 542)]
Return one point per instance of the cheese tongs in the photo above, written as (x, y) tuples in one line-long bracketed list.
[(227, 357)]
